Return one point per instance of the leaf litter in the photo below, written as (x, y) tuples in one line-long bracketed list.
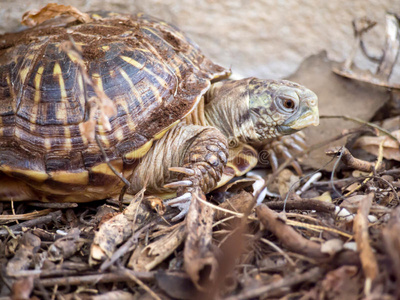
[(332, 232)]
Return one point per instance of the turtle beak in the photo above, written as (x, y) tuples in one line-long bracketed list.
[(311, 117), (306, 116)]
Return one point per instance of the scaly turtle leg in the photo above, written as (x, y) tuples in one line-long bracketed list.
[(188, 159), (202, 168)]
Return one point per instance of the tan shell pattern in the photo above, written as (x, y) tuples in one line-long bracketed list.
[(154, 74)]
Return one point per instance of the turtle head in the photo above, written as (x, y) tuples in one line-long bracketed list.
[(254, 111), (280, 107)]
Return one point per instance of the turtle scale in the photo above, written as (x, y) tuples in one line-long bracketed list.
[(153, 73)]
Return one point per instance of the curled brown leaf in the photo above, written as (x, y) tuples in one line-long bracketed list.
[(35, 17)]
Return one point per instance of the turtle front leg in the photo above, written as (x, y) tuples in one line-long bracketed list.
[(202, 167), (187, 160)]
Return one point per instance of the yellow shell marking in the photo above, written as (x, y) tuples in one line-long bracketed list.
[(81, 178), (67, 138), (139, 153), (35, 175), (96, 16), (81, 88), (35, 107), (103, 135), (119, 134), (23, 74), (58, 73), (132, 61), (156, 93), (105, 48), (10, 86), (60, 113), (38, 80), (84, 139), (142, 67), (47, 144), (132, 86), (105, 169), (162, 132)]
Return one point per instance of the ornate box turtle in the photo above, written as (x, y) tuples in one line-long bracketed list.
[(179, 124)]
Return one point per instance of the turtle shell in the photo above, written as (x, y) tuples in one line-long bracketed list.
[(153, 73)]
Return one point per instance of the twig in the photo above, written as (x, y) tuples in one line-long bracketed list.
[(31, 223), (349, 160), (279, 250), (55, 205), (303, 204), (318, 228), (95, 279), (287, 235), (131, 274), (28, 216), (359, 121), (361, 235)]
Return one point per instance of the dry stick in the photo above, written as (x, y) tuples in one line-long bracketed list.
[(27, 216), (289, 281), (38, 221), (56, 205), (95, 279), (287, 235), (303, 204), (134, 278), (349, 160), (361, 236), (359, 121), (377, 166)]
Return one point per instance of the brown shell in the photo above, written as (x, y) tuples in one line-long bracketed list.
[(154, 74)]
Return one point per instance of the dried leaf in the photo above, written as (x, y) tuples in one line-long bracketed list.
[(29, 245), (287, 181), (157, 251), (390, 147), (66, 246), (342, 283), (200, 261), (117, 230), (50, 11), (326, 197), (22, 288), (360, 226), (88, 129)]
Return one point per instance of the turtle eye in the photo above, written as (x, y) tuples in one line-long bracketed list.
[(288, 103)]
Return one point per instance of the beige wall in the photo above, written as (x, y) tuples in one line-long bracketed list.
[(264, 38)]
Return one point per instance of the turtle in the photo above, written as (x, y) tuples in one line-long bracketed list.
[(180, 123)]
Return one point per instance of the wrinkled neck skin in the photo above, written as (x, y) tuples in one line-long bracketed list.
[(226, 107)]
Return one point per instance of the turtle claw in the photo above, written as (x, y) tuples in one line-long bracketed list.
[(185, 171), (182, 198), (178, 184), (182, 202), (283, 148)]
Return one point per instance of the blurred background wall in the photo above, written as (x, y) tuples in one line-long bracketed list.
[(264, 38)]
